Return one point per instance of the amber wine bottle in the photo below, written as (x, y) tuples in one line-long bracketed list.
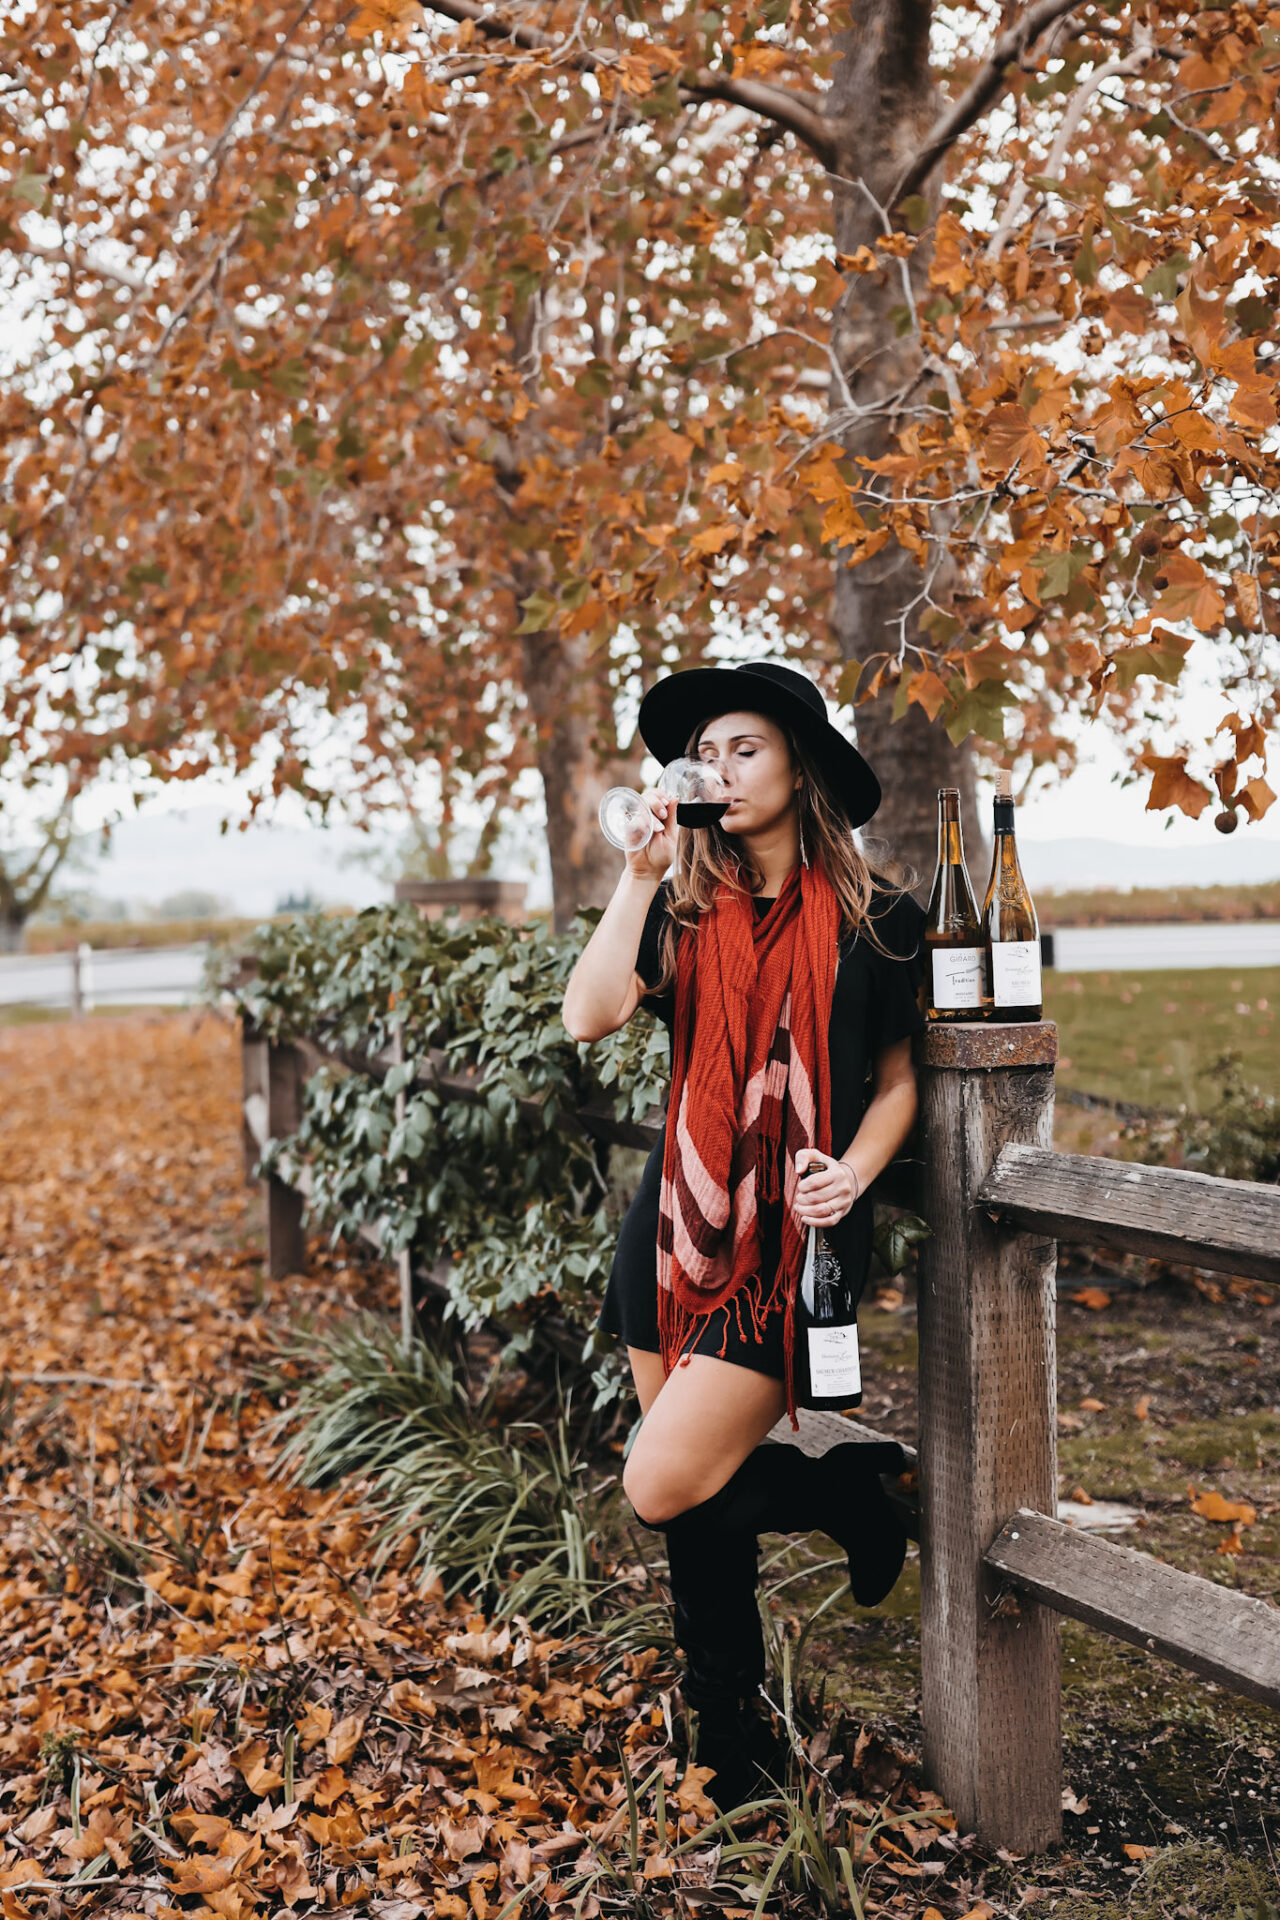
[(1010, 930), (954, 977)]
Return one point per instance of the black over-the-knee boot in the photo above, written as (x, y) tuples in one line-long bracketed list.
[(779, 1489), (716, 1617)]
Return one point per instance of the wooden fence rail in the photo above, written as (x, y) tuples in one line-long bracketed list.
[(997, 1567)]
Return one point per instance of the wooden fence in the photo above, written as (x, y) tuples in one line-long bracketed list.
[(997, 1567)]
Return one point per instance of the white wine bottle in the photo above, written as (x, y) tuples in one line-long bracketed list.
[(954, 985), (1010, 929), (835, 1370)]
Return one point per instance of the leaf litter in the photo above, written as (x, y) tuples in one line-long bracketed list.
[(209, 1705)]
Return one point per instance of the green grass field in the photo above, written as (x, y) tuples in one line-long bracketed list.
[(1148, 1036), (1144, 1037), (21, 1016)]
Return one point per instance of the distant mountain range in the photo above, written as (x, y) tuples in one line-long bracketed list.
[(156, 856), (1241, 859), (159, 855)]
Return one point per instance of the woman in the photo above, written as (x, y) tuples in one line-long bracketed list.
[(787, 976)]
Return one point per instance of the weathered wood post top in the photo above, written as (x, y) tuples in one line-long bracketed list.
[(990, 1664), (469, 896)]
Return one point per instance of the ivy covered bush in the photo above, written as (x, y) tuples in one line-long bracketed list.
[(523, 1211), (519, 1207)]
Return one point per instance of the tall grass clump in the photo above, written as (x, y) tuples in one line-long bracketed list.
[(502, 1510)]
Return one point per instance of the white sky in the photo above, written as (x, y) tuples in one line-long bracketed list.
[(1090, 805)]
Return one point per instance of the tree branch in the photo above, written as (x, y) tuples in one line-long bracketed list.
[(795, 112), (985, 87), (1133, 62), (798, 113)]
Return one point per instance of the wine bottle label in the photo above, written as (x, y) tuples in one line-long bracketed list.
[(834, 1367), (957, 976), (1015, 973)]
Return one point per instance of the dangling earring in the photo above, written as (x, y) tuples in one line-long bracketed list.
[(804, 858)]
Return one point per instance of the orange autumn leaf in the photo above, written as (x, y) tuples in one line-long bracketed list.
[(712, 539), (250, 1761), (1247, 597), (313, 1725), (328, 1786), (842, 521), (1173, 786), (1187, 593), (759, 59), (861, 261), (928, 691), (1257, 797), (1009, 440), (342, 1742), (1095, 1297), (1212, 1506), (691, 1795), (200, 1829)]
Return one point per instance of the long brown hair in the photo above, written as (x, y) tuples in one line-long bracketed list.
[(707, 858)]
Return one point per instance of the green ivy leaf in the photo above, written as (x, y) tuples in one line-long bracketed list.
[(894, 1237)]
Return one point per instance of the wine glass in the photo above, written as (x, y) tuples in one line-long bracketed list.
[(697, 788)]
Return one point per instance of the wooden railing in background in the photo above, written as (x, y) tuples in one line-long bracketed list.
[(997, 1568)]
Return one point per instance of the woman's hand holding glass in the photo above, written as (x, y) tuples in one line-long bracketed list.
[(650, 860), (690, 793)]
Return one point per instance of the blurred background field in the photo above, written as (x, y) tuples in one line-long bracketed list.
[(1147, 906), (1151, 1037)]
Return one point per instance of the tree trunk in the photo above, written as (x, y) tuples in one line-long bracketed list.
[(570, 700), (883, 99), (13, 927)]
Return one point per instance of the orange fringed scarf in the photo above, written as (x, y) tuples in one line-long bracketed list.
[(750, 1086)]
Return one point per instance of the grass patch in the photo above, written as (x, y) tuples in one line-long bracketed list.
[(501, 1510), (28, 1016), (1147, 1037), (1196, 1881), (1139, 906)]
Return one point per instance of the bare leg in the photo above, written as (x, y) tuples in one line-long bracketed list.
[(646, 1371), (699, 1428)]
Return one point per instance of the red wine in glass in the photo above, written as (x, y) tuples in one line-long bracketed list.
[(697, 789), (700, 813)]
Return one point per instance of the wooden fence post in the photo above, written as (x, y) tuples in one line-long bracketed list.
[(404, 1259), (272, 1078), (286, 1242), (990, 1663), (253, 1076)]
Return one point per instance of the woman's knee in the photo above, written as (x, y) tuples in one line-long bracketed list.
[(654, 1495)]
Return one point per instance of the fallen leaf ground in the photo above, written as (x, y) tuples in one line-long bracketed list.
[(209, 1705)]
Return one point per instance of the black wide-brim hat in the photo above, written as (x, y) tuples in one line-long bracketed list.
[(673, 707)]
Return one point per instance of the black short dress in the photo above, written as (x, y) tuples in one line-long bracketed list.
[(876, 1001)]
